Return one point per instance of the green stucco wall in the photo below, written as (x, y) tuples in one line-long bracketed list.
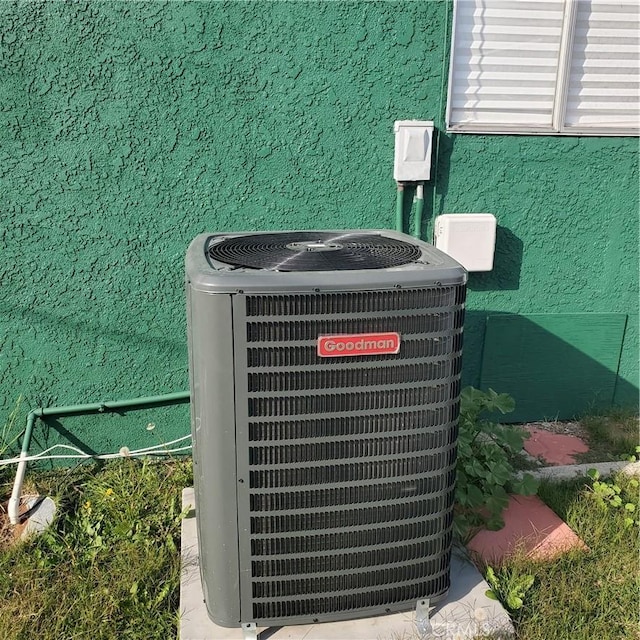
[(128, 128)]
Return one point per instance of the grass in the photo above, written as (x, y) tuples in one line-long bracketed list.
[(583, 595), (10, 432), (611, 434), (109, 568)]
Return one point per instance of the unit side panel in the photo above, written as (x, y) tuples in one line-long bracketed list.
[(214, 446)]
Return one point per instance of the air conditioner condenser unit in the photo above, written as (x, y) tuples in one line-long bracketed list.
[(325, 381)]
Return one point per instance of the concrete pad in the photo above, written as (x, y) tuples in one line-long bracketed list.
[(531, 528), (554, 448), (570, 471), (40, 513), (465, 614)]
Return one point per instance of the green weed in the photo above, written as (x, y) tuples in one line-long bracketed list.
[(582, 594), (485, 470), (611, 434), (509, 586), (608, 494), (9, 432), (109, 567)]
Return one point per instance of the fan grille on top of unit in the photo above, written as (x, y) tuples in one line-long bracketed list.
[(313, 251)]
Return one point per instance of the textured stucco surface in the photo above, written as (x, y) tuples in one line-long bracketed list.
[(571, 209), (128, 128)]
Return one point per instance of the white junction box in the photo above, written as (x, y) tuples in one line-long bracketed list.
[(469, 238), (412, 161)]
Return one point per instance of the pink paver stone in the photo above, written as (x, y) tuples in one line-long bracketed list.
[(554, 448), (530, 528)]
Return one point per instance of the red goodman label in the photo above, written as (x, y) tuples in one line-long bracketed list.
[(358, 344)]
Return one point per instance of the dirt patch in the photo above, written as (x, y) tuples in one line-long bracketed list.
[(566, 428), (609, 438), (10, 534)]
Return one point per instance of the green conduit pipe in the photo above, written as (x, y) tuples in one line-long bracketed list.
[(419, 201), (132, 404), (400, 208)]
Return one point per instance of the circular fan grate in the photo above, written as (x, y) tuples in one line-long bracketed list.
[(314, 251)]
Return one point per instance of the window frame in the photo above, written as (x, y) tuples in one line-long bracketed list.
[(558, 125)]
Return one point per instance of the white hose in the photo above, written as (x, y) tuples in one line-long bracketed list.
[(14, 502)]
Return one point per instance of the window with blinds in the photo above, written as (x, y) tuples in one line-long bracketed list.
[(545, 66)]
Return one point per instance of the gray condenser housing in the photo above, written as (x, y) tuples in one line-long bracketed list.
[(324, 472)]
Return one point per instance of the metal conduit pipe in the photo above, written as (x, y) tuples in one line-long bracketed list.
[(419, 201), (400, 208), (133, 404)]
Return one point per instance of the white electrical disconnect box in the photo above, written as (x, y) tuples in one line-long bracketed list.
[(469, 238), (413, 150)]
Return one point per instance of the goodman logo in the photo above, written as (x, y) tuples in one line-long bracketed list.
[(358, 344)]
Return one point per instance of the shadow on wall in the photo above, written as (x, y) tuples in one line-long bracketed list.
[(96, 329), (556, 365), (507, 265), (509, 248), (444, 146), (108, 432), (63, 435)]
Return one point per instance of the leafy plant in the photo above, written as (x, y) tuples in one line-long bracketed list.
[(609, 494), (485, 472), (634, 456), (509, 587)]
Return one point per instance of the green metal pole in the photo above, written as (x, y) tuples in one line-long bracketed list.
[(132, 404), (114, 405), (400, 208), (419, 200)]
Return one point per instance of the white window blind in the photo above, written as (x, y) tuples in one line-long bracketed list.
[(604, 84), (536, 66)]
